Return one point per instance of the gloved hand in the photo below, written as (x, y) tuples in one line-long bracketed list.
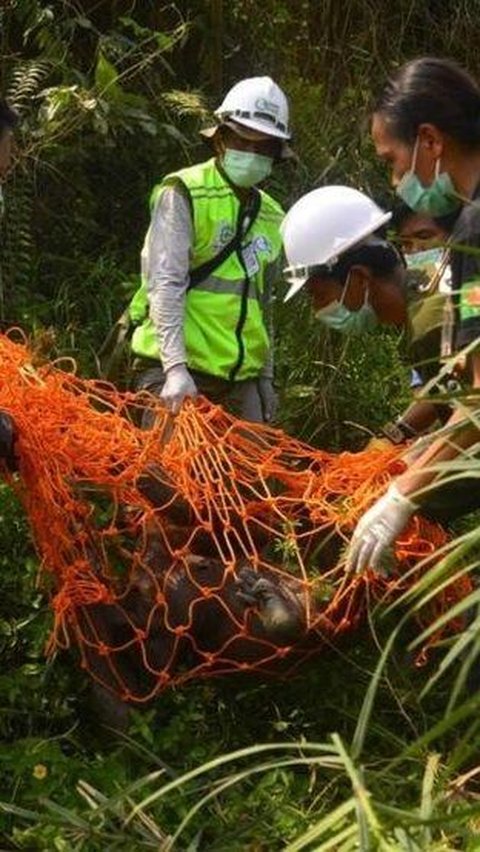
[(378, 529), (268, 398), (178, 385), (378, 443)]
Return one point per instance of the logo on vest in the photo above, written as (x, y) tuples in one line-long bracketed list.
[(251, 251), (224, 235)]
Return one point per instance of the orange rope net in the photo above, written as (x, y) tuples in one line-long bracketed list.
[(202, 546)]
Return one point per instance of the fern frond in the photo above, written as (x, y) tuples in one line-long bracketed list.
[(25, 81), (183, 103)]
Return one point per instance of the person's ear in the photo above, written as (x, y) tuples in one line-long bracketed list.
[(219, 143), (431, 140), (359, 278), (323, 291)]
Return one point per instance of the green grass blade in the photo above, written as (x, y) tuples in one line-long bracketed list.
[(367, 706), (426, 804), (326, 825)]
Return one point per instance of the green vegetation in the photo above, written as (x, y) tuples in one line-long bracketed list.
[(361, 749)]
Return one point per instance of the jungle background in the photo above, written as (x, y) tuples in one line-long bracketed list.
[(362, 750)]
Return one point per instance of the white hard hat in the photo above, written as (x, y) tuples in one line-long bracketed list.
[(324, 224), (259, 103)]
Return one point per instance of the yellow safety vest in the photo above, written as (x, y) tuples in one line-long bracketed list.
[(224, 328)]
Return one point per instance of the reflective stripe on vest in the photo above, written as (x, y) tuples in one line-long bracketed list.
[(224, 328)]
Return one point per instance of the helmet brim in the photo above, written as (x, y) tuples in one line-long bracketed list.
[(250, 133), (265, 129), (295, 287)]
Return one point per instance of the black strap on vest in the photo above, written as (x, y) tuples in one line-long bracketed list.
[(246, 218)]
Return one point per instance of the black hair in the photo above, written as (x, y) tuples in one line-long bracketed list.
[(8, 117), (434, 91), (401, 213), (380, 256)]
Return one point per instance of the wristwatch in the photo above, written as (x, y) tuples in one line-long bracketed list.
[(398, 432)]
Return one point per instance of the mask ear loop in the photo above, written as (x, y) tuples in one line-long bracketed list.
[(366, 300), (456, 194), (345, 287), (414, 160), (413, 164)]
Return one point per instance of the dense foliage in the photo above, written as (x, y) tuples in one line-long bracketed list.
[(111, 95)]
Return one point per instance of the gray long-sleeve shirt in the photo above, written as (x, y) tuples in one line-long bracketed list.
[(166, 257)]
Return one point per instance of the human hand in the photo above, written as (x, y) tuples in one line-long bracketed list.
[(378, 529), (178, 385), (378, 443), (268, 398)]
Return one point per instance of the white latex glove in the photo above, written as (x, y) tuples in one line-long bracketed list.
[(268, 398), (178, 385), (378, 529)]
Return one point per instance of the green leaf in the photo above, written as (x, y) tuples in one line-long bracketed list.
[(106, 75)]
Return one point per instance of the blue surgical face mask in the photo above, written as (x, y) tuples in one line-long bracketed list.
[(437, 199), (342, 319), (245, 168)]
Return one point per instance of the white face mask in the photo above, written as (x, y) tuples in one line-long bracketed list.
[(246, 168), (439, 198), (340, 318)]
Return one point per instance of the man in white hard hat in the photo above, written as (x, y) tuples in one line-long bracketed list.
[(356, 280), (210, 259)]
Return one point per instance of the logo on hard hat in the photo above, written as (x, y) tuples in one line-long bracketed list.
[(263, 105)]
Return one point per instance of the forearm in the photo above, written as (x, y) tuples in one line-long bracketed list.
[(460, 433), (422, 414), (167, 259), (167, 310), (424, 471)]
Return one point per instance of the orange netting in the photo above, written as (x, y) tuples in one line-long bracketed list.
[(202, 546)]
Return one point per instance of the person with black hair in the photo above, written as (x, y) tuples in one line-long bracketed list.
[(335, 245), (424, 243), (426, 127), (356, 279)]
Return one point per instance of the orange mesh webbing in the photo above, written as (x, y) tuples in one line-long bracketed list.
[(204, 545)]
